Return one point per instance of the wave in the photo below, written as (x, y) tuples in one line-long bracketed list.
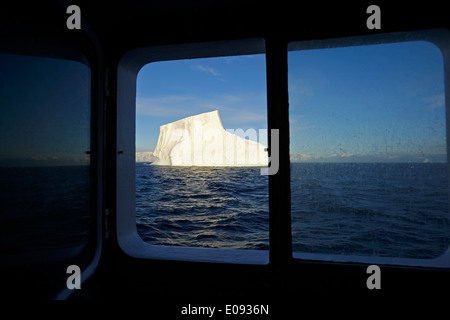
[(392, 210)]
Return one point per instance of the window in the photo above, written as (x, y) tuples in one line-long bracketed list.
[(44, 157), (45, 168), (183, 203), (368, 148), (204, 198)]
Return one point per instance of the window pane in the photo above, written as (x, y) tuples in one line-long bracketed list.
[(368, 151), (192, 188), (44, 160)]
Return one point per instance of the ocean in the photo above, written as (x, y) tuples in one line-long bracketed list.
[(219, 207), (370, 209), (367, 209), (44, 209)]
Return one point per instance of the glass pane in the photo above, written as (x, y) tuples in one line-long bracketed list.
[(192, 188), (368, 151), (44, 158)]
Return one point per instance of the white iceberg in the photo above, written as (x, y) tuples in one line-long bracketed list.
[(201, 140), (145, 156)]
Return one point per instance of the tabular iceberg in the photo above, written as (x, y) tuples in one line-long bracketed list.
[(201, 140)]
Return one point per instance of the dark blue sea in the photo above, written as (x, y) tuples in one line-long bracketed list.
[(369, 209), (44, 208), (201, 206)]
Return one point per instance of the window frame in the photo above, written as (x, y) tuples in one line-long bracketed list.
[(280, 244), (128, 68), (438, 37), (83, 49)]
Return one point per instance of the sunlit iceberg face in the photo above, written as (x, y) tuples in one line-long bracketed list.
[(201, 140)]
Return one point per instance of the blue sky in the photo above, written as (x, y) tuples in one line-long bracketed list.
[(171, 90), (362, 103), (367, 103)]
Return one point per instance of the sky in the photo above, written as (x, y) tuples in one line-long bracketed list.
[(171, 90), (372, 103), (44, 111), (365, 103)]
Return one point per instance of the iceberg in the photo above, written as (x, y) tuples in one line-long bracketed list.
[(146, 156), (201, 140)]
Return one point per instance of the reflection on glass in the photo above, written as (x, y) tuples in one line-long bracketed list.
[(368, 151), (44, 158)]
